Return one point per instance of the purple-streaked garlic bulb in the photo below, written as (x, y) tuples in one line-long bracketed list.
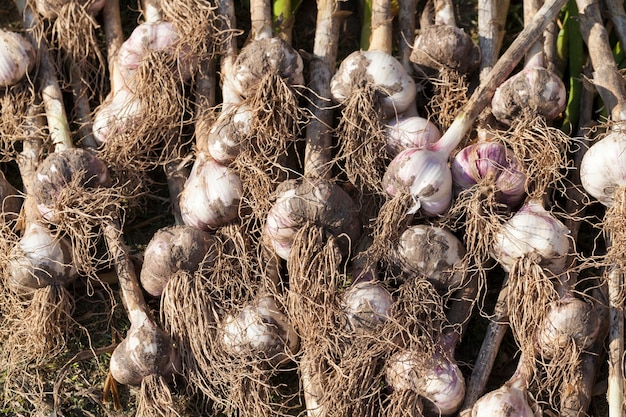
[(315, 201), (172, 249), (40, 258), (50, 8), (260, 329), (225, 136), (438, 379), (493, 164), (444, 46), (432, 253), (151, 37), (534, 89), (211, 194), (409, 132), (61, 168), (603, 168), (262, 57), (394, 86), (424, 174), (115, 115), (568, 320), (367, 304), (147, 350), (533, 232), (506, 401), (17, 58)]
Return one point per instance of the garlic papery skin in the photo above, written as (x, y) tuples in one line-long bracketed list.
[(40, 259), (423, 174), (568, 320), (17, 58), (534, 233), (172, 249), (490, 163), (534, 89), (443, 46), (260, 329), (146, 350), (115, 115), (231, 127), (262, 57), (409, 132), (432, 253), (603, 168), (506, 401), (211, 195), (154, 37), (366, 305), (395, 87), (437, 379), (315, 201)]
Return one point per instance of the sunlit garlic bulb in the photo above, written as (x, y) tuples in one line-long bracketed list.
[(437, 379), (367, 304), (170, 250), (225, 136), (568, 320), (409, 132), (115, 115), (506, 401), (423, 174), (260, 329), (533, 232), (211, 194), (444, 46), (491, 163), (394, 86), (50, 8), (17, 58), (431, 253), (533, 89), (40, 258), (603, 167), (262, 57)]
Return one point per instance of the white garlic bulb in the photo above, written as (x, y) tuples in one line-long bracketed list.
[(17, 58), (533, 231), (506, 401), (395, 87), (115, 115), (50, 8), (225, 136), (603, 167), (367, 304), (211, 194), (409, 132)]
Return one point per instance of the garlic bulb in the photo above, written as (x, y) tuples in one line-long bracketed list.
[(17, 58), (50, 8), (568, 320), (146, 350), (423, 174), (395, 87), (211, 195), (367, 304), (534, 89), (603, 167), (409, 132), (61, 168), (115, 115), (444, 46), (262, 57), (172, 249), (491, 163), (230, 128), (40, 258), (317, 201), (432, 253), (152, 37), (533, 232), (504, 402), (260, 329), (437, 379)]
